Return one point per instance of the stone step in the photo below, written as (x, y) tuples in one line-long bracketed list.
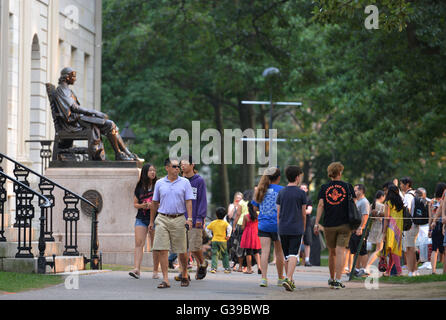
[(9, 249), (67, 263), (29, 265), (11, 234), (9, 221)]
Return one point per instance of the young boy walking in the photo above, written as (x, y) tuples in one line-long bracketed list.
[(291, 218), (221, 230)]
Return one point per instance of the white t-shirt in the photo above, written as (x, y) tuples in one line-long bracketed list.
[(409, 201)]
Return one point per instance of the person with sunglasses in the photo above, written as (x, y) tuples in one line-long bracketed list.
[(172, 199)]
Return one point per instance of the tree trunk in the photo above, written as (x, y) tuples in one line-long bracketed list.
[(223, 170), (247, 121)]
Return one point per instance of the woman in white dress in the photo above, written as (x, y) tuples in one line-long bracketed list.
[(376, 230)]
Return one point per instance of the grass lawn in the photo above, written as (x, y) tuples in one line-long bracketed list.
[(408, 280), (16, 282)]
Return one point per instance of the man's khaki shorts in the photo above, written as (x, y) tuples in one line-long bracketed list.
[(410, 236), (195, 239), (338, 236), (170, 234)]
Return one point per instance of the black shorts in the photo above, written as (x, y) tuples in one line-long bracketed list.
[(290, 245), (438, 238), (354, 243), (308, 235), (251, 252), (273, 235)]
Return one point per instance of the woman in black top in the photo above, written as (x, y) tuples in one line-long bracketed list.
[(141, 201)]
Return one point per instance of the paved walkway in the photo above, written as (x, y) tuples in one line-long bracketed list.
[(219, 286), (311, 284)]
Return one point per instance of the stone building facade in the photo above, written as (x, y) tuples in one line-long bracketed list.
[(37, 39)]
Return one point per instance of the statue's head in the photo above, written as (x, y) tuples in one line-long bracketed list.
[(67, 75)]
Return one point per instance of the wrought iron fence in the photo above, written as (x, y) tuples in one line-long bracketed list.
[(25, 214)]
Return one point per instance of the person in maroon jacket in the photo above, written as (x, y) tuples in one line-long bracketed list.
[(199, 212)]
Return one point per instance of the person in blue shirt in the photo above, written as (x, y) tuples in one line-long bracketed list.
[(265, 202), (172, 199)]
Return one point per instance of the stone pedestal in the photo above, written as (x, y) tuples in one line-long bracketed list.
[(116, 219)]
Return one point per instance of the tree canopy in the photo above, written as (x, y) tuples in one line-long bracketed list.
[(372, 99)]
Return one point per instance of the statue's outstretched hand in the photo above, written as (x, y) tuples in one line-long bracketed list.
[(99, 114)]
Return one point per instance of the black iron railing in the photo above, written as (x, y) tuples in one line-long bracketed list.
[(25, 213), (25, 218), (45, 152)]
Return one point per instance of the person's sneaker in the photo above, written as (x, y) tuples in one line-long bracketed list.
[(331, 283), (227, 270), (213, 270), (288, 285), (308, 264), (338, 285), (360, 273), (280, 282), (263, 283), (171, 266), (427, 265), (410, 274)]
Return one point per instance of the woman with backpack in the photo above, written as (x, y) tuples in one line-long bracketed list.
[(393, 228), (265, 202)]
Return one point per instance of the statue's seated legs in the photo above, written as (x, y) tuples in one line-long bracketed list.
[(110, 130)]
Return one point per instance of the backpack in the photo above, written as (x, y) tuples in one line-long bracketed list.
[(421, 212), (407, 219)]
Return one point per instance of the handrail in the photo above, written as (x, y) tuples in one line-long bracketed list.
[(94, 259), (49, 180), (47, 203)]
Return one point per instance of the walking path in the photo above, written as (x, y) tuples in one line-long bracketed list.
[(311, 283)]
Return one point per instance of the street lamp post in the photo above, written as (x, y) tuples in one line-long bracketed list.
[(268, 73), (127, 135)]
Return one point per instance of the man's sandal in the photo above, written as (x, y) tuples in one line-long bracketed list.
[(185, 282), (179, 277), (163, 285)]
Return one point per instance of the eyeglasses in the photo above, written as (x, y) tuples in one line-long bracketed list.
[(176, 167)]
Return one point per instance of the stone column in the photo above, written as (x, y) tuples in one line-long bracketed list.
[(4, 46), (24, 97), (98, 55), (53, 57)]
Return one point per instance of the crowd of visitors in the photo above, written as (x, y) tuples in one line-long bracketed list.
[(276, 219)]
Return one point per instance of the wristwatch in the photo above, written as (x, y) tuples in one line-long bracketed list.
[(189, 219)]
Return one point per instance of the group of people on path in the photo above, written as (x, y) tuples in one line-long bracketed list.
[(172, 210)]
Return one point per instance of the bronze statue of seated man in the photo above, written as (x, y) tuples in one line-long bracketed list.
[(70, 117)]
